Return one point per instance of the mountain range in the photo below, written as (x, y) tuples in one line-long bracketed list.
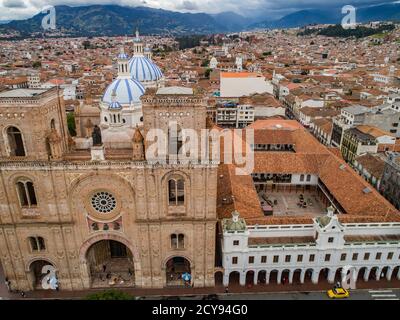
[(114, 20), (302, 18)]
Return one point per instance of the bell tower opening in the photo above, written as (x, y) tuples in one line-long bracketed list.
[(15, 142)]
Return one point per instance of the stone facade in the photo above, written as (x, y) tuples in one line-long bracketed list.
[(140, 216)]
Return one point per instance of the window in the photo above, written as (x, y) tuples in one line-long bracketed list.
[(235, 242), (264, 259), (26, 194), (378, 256), (175, 140), (330, 240), (302, 177), (343, 257), (390, 256), (288, 258), (37, 244), (276, 259), (312, 257), (103, 202), (366, 256), (327, 257), (177, 241), (15, 142), (176, 192), (234, 260), (300, 258), (181, 241), (174, 241), (308, 178), (251, 259), (355, 256)]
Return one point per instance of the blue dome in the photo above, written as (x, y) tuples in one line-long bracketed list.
[(114, 106), (126, 91), (144, 69)]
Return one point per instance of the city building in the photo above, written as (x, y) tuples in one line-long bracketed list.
[(390, 185)]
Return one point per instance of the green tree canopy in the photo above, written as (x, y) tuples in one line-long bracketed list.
[(110, 295)]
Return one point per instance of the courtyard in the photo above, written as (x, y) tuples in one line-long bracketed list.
[(284, 203)]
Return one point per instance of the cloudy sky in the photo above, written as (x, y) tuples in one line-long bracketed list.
[(21, 9)]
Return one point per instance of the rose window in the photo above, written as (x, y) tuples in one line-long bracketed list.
[(103, 202)]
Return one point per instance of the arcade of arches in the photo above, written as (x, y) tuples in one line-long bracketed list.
[(301, 276)]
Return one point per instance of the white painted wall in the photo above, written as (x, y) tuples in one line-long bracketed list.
[(239, 87)]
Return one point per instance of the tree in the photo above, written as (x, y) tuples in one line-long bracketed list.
[(71, 123), (207, 73), (110, 295), (205, 63), (36, 64), (86, 44)]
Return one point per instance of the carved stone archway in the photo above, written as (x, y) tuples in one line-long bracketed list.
[(85, 270)]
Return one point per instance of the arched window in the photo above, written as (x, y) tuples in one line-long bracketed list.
[(174, 241), (37, 243), (52, 124), (26, 193), (176, 192), (181, 241), (177, 241), (15, 142), (302, 177), (175, 140), (105, 119)]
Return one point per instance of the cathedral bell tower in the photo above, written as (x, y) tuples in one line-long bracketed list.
[(137, 44), (138, 146)]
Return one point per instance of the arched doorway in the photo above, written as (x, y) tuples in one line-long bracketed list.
[(262, 277), (323, 275), (372, 274), (234, 278), (384, 273), (177, 269), (297, 276), (285, 276), (250, 278), (37, 272), (111, 264), (273, 277), (218, 278), (361, 274), (395, 273), (308, 275)]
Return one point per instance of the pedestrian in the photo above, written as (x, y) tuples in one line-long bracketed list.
[(226, 290), (22, 294), (8, 284), (130, 271), (104, 268)]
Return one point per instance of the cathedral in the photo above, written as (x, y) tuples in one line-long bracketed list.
[(93, 207)]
